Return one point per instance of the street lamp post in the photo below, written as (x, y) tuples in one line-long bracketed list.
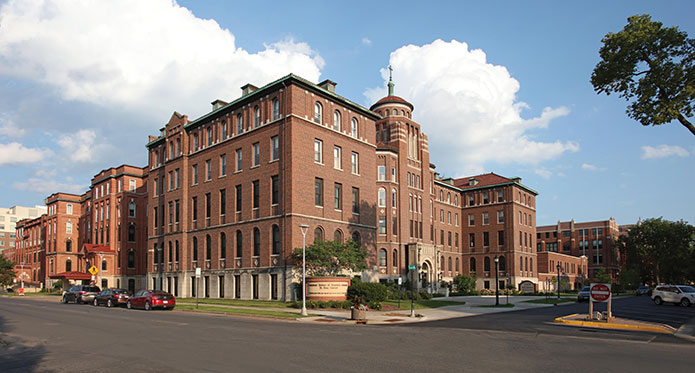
[(558, 281), (497, 282), (304, 228)]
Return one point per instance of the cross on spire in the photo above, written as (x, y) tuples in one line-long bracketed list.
[(391, 81)]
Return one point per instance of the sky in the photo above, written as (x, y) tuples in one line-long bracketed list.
[(499, 86)]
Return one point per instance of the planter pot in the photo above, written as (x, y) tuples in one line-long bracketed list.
[(358, 314)]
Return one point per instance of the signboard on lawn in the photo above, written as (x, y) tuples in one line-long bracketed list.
[(600, 292)]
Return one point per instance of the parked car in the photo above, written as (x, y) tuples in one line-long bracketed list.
[(676, 294), (643, 290), (584, 294), (149, 299), (80, 294), (112, 297)]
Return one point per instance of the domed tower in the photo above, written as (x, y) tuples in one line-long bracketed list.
[(404, 234)]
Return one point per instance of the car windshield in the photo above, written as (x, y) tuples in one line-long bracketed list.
[(585, 288), (687, 289), (643, 287)]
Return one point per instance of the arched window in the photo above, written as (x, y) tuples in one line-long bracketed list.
[(208, 247), (239, 244), (131, 232), (131, 209), (387, 112), (318, 234), (486, 264), (403, 112), (223, 246), (353, 127), (68, 245), (336, 120), (318, 112), (382, 257), (338, 236), (178, 146), (394, 262), (382, 197), (503, 263), (131, 259), (393, 198), (68, 265), (450, 267), (441, 195), (448, 197), (170, 252), (256, 117), (472, 265), (239, 123), (195, 249), (457, 265), (68, 227), (256, 242), (276, 239), (356, 238), (177, 251), (276, 108), (456, 200)]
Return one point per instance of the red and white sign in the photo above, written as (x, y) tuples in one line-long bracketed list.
[(600, 292)]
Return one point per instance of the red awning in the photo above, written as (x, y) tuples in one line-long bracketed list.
[(93, 248), (72, 275)]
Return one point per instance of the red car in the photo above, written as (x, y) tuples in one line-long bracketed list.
[(149, 299)]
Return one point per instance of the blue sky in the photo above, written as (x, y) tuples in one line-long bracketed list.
[(498, 87)]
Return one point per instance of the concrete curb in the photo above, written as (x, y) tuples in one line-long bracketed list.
[(687, 330), (656, 328)]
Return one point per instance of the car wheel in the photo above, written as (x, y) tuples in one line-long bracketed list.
[(95, 302), (147, 306), (109, 304), (658, 301), (63, 300), (129, 306), (170, 309), (77, 300), (685, 302)]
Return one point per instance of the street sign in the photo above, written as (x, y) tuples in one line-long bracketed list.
[(600, 292), (21, 291), (197, 272), (93, 270), (412, 266)]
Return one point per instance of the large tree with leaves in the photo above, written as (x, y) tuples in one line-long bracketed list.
[(6, 271), (652, 67), (331, 258), (661, 251)]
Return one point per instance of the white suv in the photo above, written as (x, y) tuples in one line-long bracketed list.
[(678, 294)]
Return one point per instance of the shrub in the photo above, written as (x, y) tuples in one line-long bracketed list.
[(464, 284), (369, 293)]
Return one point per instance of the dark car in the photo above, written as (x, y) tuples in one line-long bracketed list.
[(149, 299), (584, 294), (112, 297), (80, 294), (643, 290)]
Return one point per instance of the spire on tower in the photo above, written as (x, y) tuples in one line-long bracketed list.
[(391, 81)]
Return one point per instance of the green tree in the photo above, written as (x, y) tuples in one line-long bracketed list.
[(464, 284), (6, 271), (330, 258), (601, 276), (651, 66), (629, 278), (661, 251)]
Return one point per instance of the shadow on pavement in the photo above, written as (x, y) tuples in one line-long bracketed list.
[(16, 354)]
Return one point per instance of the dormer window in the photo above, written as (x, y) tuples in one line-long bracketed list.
[(472, 181)]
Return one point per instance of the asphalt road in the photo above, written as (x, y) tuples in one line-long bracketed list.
[(539, 320), (48, 336)]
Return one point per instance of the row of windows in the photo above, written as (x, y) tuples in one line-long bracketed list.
[(486, 239), (484, 197), (596, 232), (337, 157), (486, 218), (337, 120), (337, 196), (501, 265)]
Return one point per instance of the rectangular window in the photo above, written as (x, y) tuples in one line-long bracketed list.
[(500, 238), (256, 194), (208, 170), (500, 217), (256, 154), (275, 187), (208, 205), (239, 158), (224, 129), (355, 163), (393, 174), (394, 226), (223, 201), (318, 192), (486, 219), (318, 151), (381, 171), (195, 208), (337, 158), (485, 198), (471, 220), (223, 164), (178, 178), (68, 208), (178, 209), (382, 225), (131, 185), (486, 239), (500, 196), (238, 198), (449, 238), (456, 239), (355, 200), (471, 239), (171, 212), (338, 196), (275, 148), (195, 174)]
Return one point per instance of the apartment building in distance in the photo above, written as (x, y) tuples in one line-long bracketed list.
[(594, 239), (8, 220), (231, 189), (571, 269)]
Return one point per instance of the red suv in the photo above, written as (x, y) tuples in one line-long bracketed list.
[(149, 299)]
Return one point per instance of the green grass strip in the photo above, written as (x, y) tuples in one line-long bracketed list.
[(239, 311), (550, 300)]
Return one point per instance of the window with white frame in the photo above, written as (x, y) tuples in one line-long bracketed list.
[(381, 172), (382, 197), (68, 227), (239, 123), (256, 117), (68, 209), (131, 185), (336, 120), (353, 127), (239, 160), (256, 154), (275, 148), (223, 165), (318, 112), (208, 169), (318, 150), (337, 157), (276, 108), (355, 163)]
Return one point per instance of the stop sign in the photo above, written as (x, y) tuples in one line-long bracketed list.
[(600, 292)]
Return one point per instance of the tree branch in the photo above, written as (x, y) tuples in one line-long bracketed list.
[(685, 123)]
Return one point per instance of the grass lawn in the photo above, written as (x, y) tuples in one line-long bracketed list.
[(421, 304), (551, 300), (239, 311), (238, 302), (502, 305)]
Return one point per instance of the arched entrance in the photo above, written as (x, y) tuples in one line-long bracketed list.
[(426, 275)]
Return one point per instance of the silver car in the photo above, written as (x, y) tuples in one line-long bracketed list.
[(676, 294), (584, 294)]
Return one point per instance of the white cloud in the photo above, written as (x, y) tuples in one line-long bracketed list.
[(46, 187), (589, 167), (150, 56), (14, 153), (9, 129), (543, 172), (663, 151), (468, 104), (80, 146), (366, 41)]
